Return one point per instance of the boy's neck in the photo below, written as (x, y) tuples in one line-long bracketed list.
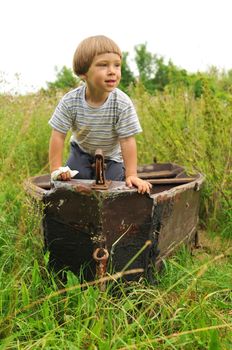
[(95, 99)]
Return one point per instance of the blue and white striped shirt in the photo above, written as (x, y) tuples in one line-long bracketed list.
[(97, 127)]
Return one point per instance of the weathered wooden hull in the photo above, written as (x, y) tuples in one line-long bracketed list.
[(138, 231)]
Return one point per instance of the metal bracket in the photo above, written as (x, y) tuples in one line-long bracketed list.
[(101, 183)]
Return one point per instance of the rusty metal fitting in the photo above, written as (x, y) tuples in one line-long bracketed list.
[(101, 255), (99, 165)]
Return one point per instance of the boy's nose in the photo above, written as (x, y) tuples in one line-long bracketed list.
[(111, 70)]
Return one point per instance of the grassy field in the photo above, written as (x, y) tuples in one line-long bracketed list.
[(190, 308)]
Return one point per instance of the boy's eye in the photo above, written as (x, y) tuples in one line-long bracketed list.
[(106, 64)]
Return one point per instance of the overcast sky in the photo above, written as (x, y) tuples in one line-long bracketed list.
[(37, 35)]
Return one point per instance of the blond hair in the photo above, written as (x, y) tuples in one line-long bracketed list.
[(91, 47)]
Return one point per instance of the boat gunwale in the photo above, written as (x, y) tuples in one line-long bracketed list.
[(36, 190)]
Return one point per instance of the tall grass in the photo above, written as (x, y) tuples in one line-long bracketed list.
[(196, 133), (190, 308)]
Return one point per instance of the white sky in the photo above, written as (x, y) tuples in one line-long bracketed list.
[(37, 35)]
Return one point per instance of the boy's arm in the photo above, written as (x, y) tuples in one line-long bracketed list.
[(129, 154), (56, 147)]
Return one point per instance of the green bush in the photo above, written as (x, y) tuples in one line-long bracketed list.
[(65, 79)]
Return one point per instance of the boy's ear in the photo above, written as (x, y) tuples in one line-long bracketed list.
[(82, 76)]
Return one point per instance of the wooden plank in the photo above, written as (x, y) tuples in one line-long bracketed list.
[(157, 174), (180, 180)]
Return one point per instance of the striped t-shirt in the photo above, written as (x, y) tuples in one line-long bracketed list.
[(97, 127)]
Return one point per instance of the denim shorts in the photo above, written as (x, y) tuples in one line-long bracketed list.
[(83, 162)]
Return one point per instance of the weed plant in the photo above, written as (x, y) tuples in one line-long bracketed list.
[(190, 308)]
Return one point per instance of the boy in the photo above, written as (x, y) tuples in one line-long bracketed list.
[(99, 115)]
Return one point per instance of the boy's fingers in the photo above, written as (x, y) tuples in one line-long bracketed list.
[(65, 176), (145, 187), (141, 188), (142, 185)]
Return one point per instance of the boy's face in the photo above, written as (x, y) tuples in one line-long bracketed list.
[(104, 74)]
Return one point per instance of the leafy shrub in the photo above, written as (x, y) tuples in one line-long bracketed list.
[(65, 79)]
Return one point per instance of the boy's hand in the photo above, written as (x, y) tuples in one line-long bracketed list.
[(63, 174), (66, 176), (143, 186)]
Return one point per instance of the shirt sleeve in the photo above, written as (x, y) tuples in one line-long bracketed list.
[(128, 123), (61, 119)]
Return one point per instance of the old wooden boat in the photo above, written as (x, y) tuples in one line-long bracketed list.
[(100, 227)]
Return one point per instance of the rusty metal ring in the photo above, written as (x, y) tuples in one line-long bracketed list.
[(105, 255)]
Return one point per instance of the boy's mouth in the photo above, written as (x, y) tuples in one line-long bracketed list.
[(110, 81)]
